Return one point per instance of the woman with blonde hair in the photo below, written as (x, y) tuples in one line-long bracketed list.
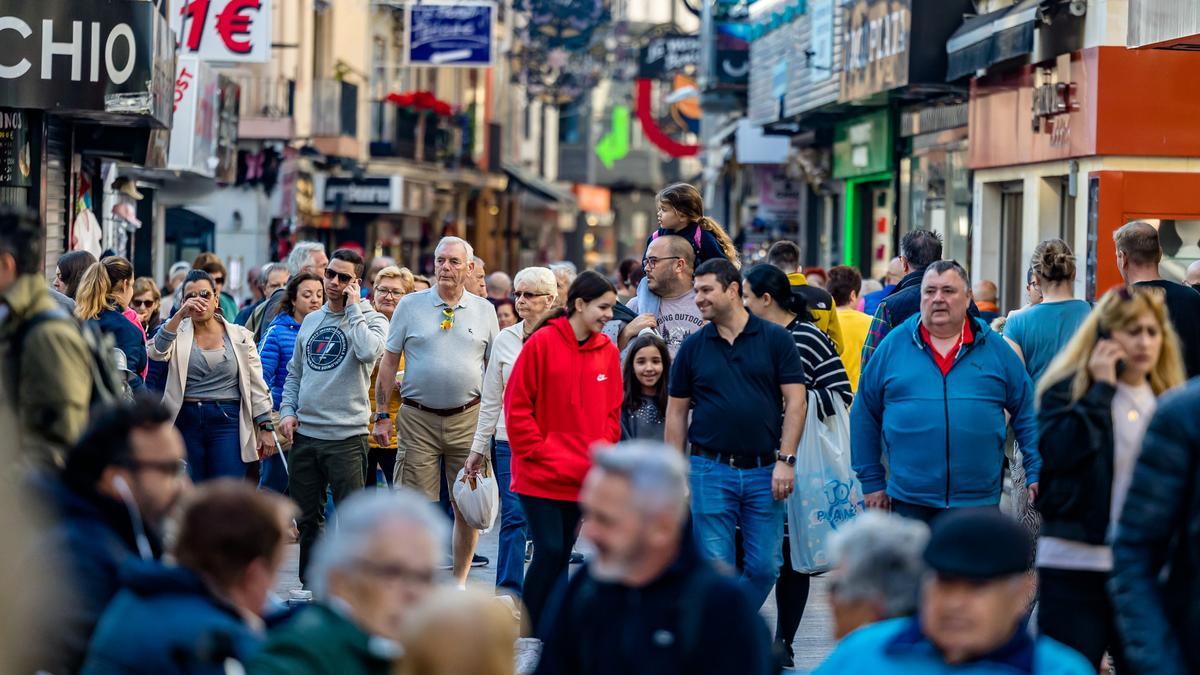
[(389, 285), (1096, 399), (435, 634), (103, 298)]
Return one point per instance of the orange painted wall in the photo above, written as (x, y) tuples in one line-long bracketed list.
[(1129, 102)]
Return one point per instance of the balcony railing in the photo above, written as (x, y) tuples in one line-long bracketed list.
[(335, 108), (419, 136), (267, 97)]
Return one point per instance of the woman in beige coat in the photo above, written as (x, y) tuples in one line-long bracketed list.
[(215, 387)]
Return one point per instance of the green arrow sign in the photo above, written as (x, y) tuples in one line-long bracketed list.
[(615, 144)]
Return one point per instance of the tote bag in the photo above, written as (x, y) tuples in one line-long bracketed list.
[(827, 493)]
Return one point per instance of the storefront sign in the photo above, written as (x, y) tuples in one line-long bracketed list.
[(862, 145), (100, 56), (593, 198), (372, 194), (441, 33), (229, 117), (224, 31), (194, 125), (875, 46), (778, 195), (668, 54), (16, 166), (820, 65)]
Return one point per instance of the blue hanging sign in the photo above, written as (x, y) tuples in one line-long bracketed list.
[(445, 34)]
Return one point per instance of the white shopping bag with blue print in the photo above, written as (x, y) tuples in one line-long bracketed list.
[(827, 493)]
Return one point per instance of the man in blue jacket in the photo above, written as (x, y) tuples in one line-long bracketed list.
[(934, 400)]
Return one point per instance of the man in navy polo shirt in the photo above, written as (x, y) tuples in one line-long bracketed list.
[(742, 380)]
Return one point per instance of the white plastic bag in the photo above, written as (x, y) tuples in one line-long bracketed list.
[(477, 499), (827, 493)]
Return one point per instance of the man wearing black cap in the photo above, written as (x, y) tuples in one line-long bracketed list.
[(973, 608)]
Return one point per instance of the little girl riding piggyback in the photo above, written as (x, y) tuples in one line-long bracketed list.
[(681, 212)]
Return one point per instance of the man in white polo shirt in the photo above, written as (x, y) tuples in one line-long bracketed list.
[(445, 335)]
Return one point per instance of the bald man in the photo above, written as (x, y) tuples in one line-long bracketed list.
[(1193, 275), (986, 295), (670, 263)]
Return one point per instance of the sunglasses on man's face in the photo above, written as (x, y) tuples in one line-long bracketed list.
[(340, 276)]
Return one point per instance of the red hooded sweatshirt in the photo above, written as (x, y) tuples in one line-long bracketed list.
[(561, 398)]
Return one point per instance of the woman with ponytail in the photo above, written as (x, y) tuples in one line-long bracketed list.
[(103, 298)]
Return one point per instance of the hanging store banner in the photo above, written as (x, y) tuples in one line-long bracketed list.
[(668, 54), (224, 31), (875, 47), (778, 195), (862, 145), (442, 33), (369, 194), (195, 124), (106, 59)]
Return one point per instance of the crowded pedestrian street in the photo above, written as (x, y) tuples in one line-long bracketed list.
[(599, 337)]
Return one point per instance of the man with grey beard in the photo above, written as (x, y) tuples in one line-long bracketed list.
[(647, 601)]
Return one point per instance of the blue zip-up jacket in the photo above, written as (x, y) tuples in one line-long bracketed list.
[(129, 339), (944, 436), (899, 646), (275, 352), (167, 621)]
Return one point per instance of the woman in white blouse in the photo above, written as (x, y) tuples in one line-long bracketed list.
[(536, 292)]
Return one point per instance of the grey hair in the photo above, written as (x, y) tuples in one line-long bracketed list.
[(301, 254), (879, 555), (478, 261), (271, 268), (359, 520), (564, 267), (498, 281), (450, 241), (541, 278), (657, 474), (177, 267)]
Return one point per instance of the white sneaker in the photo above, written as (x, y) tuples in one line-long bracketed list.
[(510, 604), (528, 653), (298, 595)]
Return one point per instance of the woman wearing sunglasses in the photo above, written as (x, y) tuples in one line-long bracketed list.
[(215, 387), (146, 301)]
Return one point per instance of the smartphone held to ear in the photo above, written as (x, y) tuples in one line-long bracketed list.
[(1106, 335)]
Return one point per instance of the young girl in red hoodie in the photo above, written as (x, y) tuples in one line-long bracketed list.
[(563, 396)]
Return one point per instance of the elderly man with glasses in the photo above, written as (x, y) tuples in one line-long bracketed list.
[(368, 576), (445, 335)]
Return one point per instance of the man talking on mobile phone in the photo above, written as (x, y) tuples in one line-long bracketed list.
[(325, 408)]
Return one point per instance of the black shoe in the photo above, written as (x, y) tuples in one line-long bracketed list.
[(576, 558), (784, 655), (479, 561)]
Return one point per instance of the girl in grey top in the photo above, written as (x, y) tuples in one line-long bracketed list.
[(645, 376)]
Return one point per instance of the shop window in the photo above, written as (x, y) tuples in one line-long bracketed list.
[(1180, 241)]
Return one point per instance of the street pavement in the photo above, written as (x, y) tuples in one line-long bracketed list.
[(813, 642)]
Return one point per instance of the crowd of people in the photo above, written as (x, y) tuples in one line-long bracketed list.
[(1022, 491)]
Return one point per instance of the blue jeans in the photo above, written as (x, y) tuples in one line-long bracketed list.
[(510, 568), (210, 432), (724, 498)]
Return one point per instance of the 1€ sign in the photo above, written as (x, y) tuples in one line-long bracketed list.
[(224, 31)]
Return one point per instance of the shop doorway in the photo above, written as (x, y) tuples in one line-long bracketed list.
[(1012, 275), (187, 235), (876, 223)]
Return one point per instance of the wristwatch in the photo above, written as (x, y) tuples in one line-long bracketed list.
[(790, 460), (266, 426), (379, 416)]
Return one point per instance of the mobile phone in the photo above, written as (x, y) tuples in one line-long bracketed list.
[(1102, 334)]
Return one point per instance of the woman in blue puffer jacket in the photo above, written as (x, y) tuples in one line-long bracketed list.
[(305, 294)]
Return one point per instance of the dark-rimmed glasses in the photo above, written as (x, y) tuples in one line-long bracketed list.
[(529, 295), (330, 275), (650, 262)]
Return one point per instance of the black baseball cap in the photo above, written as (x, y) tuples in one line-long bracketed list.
[(980, 545)]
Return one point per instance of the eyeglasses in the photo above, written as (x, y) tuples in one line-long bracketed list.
[(529, 295), (142, 303), (177, 468), (650, 262), (199, 294), (398, 572), (389, 292), (218, 280), (447, 318), (340, 276)]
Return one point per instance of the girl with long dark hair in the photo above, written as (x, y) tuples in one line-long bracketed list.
[(563, 397), (644, 408)]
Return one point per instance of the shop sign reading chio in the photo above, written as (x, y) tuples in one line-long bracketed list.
[(95, 56)]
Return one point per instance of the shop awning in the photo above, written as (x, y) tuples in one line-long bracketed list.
[(540, 187), (991, 38)]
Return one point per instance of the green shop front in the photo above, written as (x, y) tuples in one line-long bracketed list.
[(862, 160)]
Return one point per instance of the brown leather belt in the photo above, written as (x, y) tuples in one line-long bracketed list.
[(448, 412)]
